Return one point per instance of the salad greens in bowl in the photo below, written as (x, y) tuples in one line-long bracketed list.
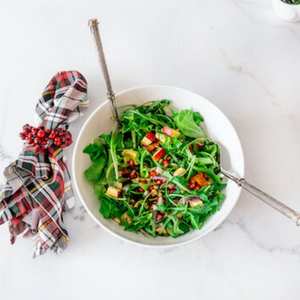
[(156, 181)]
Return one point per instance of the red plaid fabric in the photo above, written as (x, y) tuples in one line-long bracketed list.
[(38, 189)]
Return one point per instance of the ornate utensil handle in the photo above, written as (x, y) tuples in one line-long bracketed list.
[(279, 206), (93, 24)]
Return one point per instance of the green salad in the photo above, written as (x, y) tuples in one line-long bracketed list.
[(159, 174)]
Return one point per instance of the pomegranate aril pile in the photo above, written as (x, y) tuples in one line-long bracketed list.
[(41, 136)]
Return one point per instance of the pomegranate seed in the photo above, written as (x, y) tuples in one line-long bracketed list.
[(30, 135), (172, 191), (159, 217), (53, 132), (63, 146), (180, 140), (148, 206), (169, 157), (57, 143), (158, 182), (47, 131), (41, 134), (43, 143), (61, 133), (164, 181), (169, 213), (140, 190), (200, 146), (22, 135), (34, 131), (40, 128), (131, 163), (191, 148), (142, 181), (63, 139), (25, 126), (26, 131), (192, 186), (165, 163), (197, 187), (36, 141), (132, 174), (51, 136), (153, 173), (57, 139), (151, 188), (29, 141)]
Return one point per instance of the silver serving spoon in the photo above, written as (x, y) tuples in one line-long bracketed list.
[(279, 206), (93, 24)]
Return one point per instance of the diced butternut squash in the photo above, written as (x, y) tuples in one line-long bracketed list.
[(200, 179), (152, 146)]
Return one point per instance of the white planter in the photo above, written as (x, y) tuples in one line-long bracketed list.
[(287, 12)]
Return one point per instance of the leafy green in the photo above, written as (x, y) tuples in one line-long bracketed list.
[(137, 208), (98, 155), (187, 122)]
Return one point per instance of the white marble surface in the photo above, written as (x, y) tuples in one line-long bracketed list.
[(236, 53)]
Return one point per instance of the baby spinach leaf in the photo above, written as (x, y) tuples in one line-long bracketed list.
[(94, 172), (186, 124)]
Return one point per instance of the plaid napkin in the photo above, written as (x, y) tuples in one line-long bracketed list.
[(38, 188)]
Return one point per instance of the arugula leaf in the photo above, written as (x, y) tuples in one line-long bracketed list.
[(197, 210)]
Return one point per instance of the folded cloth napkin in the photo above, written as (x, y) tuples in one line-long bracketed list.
[(38, 188)]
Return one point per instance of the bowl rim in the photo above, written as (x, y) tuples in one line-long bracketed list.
[(220, 221)]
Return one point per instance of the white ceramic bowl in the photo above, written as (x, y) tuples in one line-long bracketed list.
[(218, 128)]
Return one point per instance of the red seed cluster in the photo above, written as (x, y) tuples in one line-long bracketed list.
[(41, 136)]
